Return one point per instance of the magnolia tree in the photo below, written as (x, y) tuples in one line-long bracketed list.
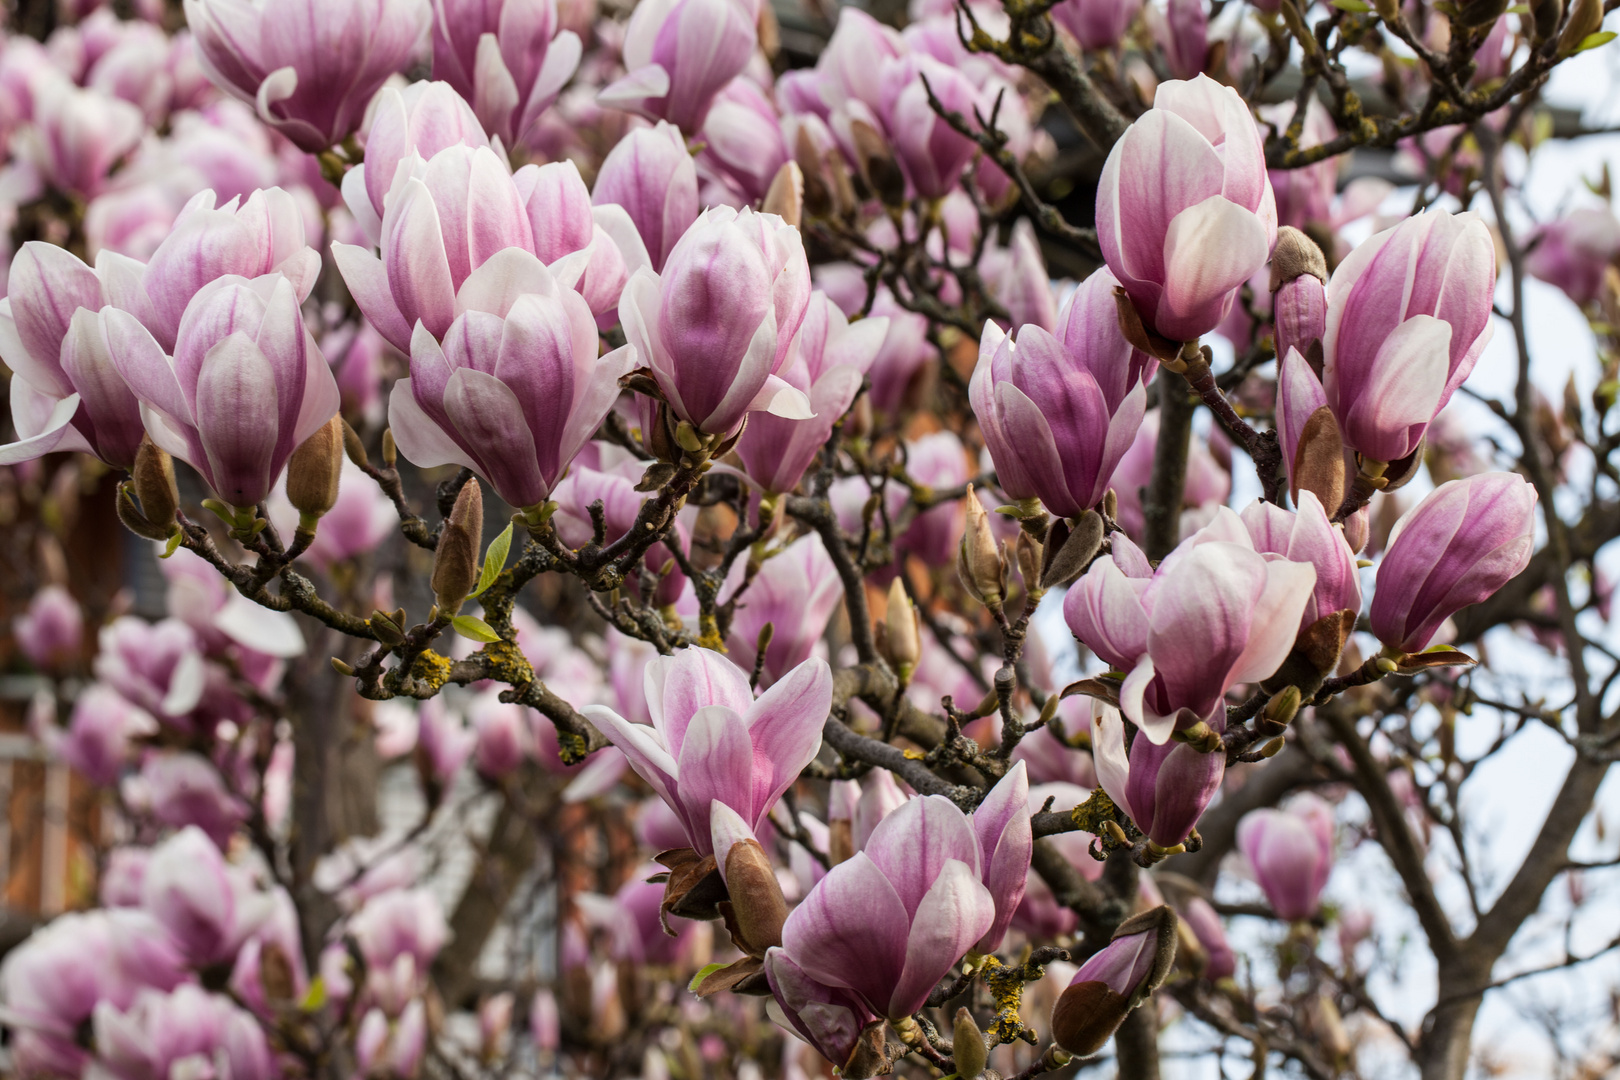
[(642, 459)]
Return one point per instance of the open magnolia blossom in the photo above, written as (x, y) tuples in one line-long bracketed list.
[(601, 481), (1213, 614), (712, 741)]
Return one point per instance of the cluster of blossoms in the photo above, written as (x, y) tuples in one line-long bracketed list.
[(678, 307)]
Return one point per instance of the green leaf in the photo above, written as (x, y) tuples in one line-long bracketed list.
[(494, 560), (1592, 41), (703, 973), (174, 542), (1519, 9), (315, 997), (1357, 7), (471, 626)]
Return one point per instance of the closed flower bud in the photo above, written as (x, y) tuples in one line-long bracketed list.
[(1027, 553), (1282, 708), (1115, 981), (785, 198), (353, 447), (455, 563), (900, 633), (967, 1046), (1585, 18), (385, 628), (155, 486), (979, 560), (313, 471), (1295, 254), (758, 908), (1544, 16)]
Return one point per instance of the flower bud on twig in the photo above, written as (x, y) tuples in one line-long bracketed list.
[(153, 481), (1115, 981), (313, 471), (899, 633), (455, 563), (979, 560), (967, 1046)]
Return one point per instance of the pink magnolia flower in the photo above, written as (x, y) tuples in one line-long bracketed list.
[(796, 591), (516, 389), (137, 69), (422, 118), (503, 739), (710, 740), (77, 135), (180, 789), (263, 235), (1016, 276), (1208, 483), (1185, 212), (743, 138), (1574, 251), (399, 933), (54, 981), (310, 67), (830, 359), (634, 928), (883, 927), (931, 153), (651, 175), (99, 740), (1214, 613), (157, 666), (1308, 537), (1184, 35), (1091, 394), (1291, 853), (1464, 541), (679, 54), (1115, 980), (207, 906), (1409, 312), (1299, 314), (51, 632), (66, 391), (852, 64), (1097, 24), (1039, 915), (445, 741), (162, 1034), (829, 1017), (906, 350), (717, 325), (1164, 787), (938, 461), (245, 387), (1006, 843), (510, 59), (461, 232)]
